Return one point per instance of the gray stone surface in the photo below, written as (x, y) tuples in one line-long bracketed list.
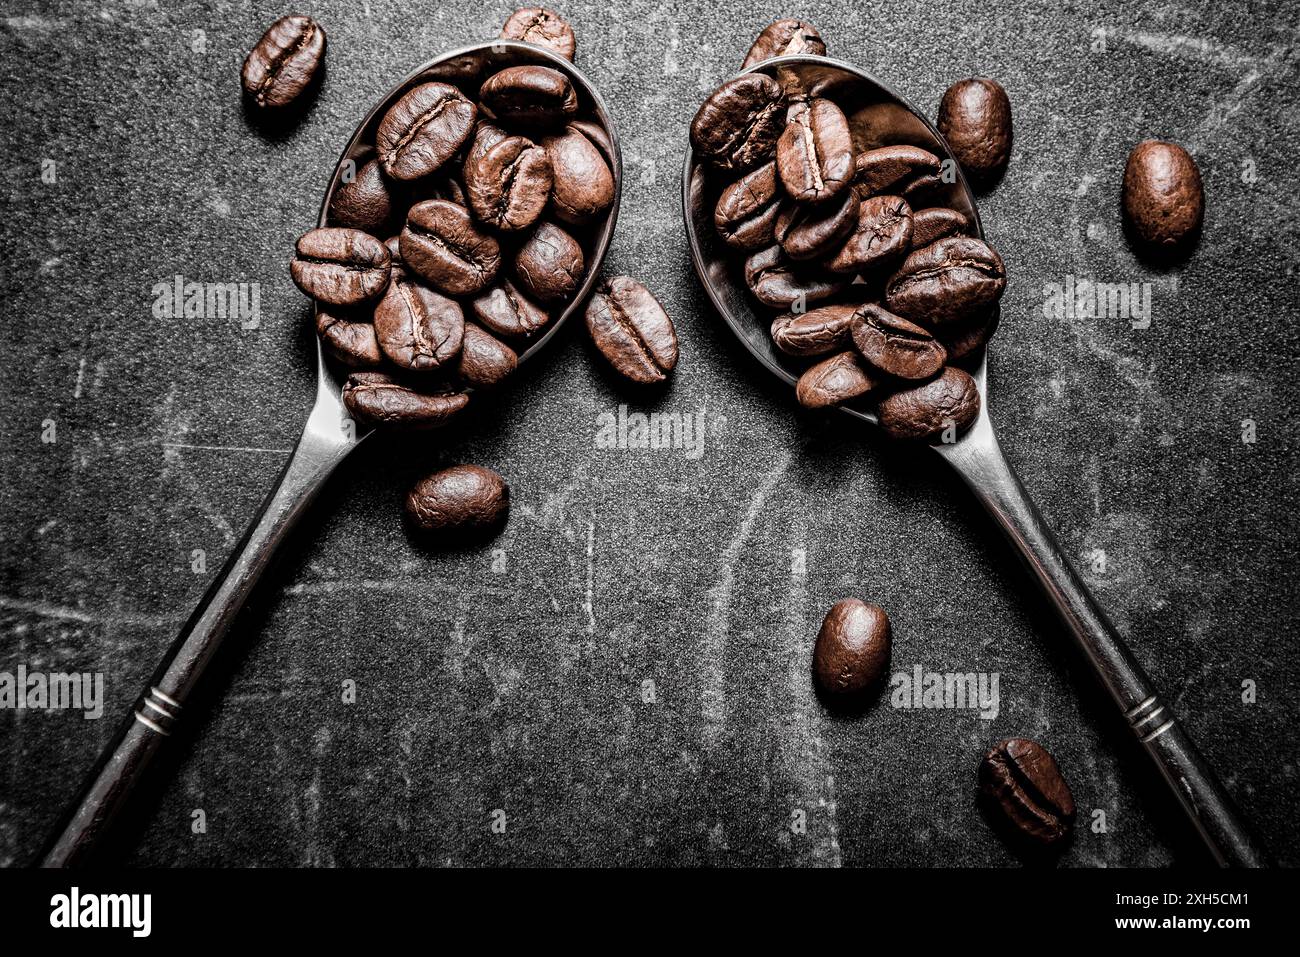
[(521, 687)]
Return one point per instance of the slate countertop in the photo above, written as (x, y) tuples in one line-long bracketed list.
[(622, 675)]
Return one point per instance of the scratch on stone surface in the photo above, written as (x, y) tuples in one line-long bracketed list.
[(591, 575), (552, 512), (1198, 49), (396, 585), (43, 609), (223, 448), (714, 683), (81, 374), (314, 855)]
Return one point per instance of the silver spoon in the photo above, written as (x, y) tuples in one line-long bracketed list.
[(881, 117), (328, 438)]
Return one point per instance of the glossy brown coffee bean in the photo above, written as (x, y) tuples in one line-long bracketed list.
[(583, 188), (948, 281), (549, 265), (484, 359), (285, 63), (462, 498), (1164, 200), (881, 237), (632, 330), (485, 136), (379, 400), (394, 246), (937, 222), (786, 37), (737, 127), (442, 245), (363, 202), (975, 119), (950, 401), (814, 156), (1021, 783), (816, 332), (851, 654), (340, 267), (508, 312), (893, 169), (508, 186), (745, 216), (417, 328), (349, 340), (892, 344), (423, 130), (838, 379), (546, 28), (598, 136), (533, 97), (812, 232), (780, 282)]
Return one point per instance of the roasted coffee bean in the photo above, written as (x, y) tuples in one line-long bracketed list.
[(509, 185), (423, 130), (340, 267), (377, 399), (550, 263), (508, 312), (785, 37), (1164, 201), (975, 119), (779, 282), (394, 246), (946, 282), (815, 332), (737, 127), (485, 136), (814, 155), (881, 236), (811, 232), (351, 341), (418, 328), (484, 359), (534, 97), (632, 331), (441, 243), (598, 136), (1020, 781), (928, 411), (745, 216), (893, 169), (937, 222), (463, 498), (851, 653), (892, 344), (286, 63), (964, 340), (834, 380), (546, 28), (584, 184), (363, 203)]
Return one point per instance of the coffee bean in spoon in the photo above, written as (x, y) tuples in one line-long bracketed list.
[(285, 63), (880, 238), (442, 244), (737, 127), (935, 223), (509, 185), (505, 310), (975, 119), (350, 340), (632, 330), (892, 344), (417, 328), (363, 202), (964, 340), (812, 232), (785, 37), (1021, 783), (838, 379), (549, 264), (532, 97), (484, 359), (423, 130), (376, 398), (780, 282), (814, 156), (892, 169), (583, 184), (946, 282), (815, 332), (541, 26), (340, 267), (746, 214), (945, 406), (1164, 200), (851, 654)]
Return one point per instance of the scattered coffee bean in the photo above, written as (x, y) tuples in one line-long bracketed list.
[(975, 119), (927, 411), (508, 312), (1164, 201), (1020, 781), (351, 341), (441, 243), (814, 155), (508, 185), (285, 63), (881, 237), (530, 96), (549, 264), (423, 130), (838, 379), (948, 281), (364, 202), (463, 498), (814, 333), (340, 267), (851, 654), (892, 344), (484, 359), (937, 222), (737, 127), (632, 330), (746, 214), (546, 28), (785, 37), (418, 328), (377, 399), (813, 232), (583, 182)]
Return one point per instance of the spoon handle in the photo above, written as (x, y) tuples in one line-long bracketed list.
[(978, 458), (123, 764)]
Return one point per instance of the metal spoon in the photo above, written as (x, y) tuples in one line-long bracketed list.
[(328, 438), (879, 116)]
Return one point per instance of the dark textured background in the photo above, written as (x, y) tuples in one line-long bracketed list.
[(522, 690)]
